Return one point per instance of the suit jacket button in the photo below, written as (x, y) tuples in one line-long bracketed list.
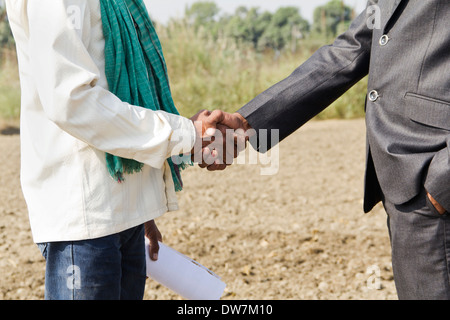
[(373, 95), (384, 40)]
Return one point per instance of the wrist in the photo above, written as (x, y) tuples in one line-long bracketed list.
[(245, 125), (436, 204)]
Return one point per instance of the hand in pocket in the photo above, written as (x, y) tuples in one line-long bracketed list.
[(438, 207)]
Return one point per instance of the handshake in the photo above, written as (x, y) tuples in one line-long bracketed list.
[(221, 136)]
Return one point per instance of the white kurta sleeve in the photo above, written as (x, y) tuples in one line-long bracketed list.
[(66, 78)]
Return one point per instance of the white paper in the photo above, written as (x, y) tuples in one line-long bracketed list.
[(183, 275)]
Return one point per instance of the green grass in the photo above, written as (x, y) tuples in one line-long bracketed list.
[(221, 74), (207, 74), (348, 106)]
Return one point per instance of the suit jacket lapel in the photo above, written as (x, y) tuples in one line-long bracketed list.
[(394, 6)]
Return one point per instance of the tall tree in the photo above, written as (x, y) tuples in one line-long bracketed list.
[(331, 18), (247, 25), (250, 25), (202, 13), (285, 28)]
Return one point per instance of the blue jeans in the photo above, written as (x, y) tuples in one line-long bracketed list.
[(107, 268)]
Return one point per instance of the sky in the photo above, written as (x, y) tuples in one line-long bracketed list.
[(163, 10)]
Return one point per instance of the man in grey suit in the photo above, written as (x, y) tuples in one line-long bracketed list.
[(406, 53)]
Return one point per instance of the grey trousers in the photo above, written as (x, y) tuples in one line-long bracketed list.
[(420, 241)]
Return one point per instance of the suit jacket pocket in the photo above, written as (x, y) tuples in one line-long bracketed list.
[(429, 111)]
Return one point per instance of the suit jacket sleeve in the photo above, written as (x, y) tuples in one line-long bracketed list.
[(313, 86)]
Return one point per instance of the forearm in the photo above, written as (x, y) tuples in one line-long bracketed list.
[(314, 85), (100, 119)]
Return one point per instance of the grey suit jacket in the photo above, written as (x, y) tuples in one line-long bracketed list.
[(408, 106)]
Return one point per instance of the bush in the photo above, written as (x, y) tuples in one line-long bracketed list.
[(207, 73), (224, 74)]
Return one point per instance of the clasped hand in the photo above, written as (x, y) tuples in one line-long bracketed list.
[(221, 136)]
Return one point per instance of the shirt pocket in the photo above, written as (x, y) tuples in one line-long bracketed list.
[(429, 111)]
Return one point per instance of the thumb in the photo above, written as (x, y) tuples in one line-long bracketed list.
[(153, 249), (214, 118), (154, 236), (231, 120), (211, 121)]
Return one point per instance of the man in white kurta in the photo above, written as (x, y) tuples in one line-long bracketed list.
[(69, 120)]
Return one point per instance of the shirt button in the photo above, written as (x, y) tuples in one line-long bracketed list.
[(373, 95), (384, 40)]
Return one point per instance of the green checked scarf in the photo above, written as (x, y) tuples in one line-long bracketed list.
[(136, 70)]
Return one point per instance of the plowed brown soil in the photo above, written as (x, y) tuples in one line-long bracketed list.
[(297, 234)]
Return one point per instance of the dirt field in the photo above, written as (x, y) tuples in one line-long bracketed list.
[(298, 234)]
